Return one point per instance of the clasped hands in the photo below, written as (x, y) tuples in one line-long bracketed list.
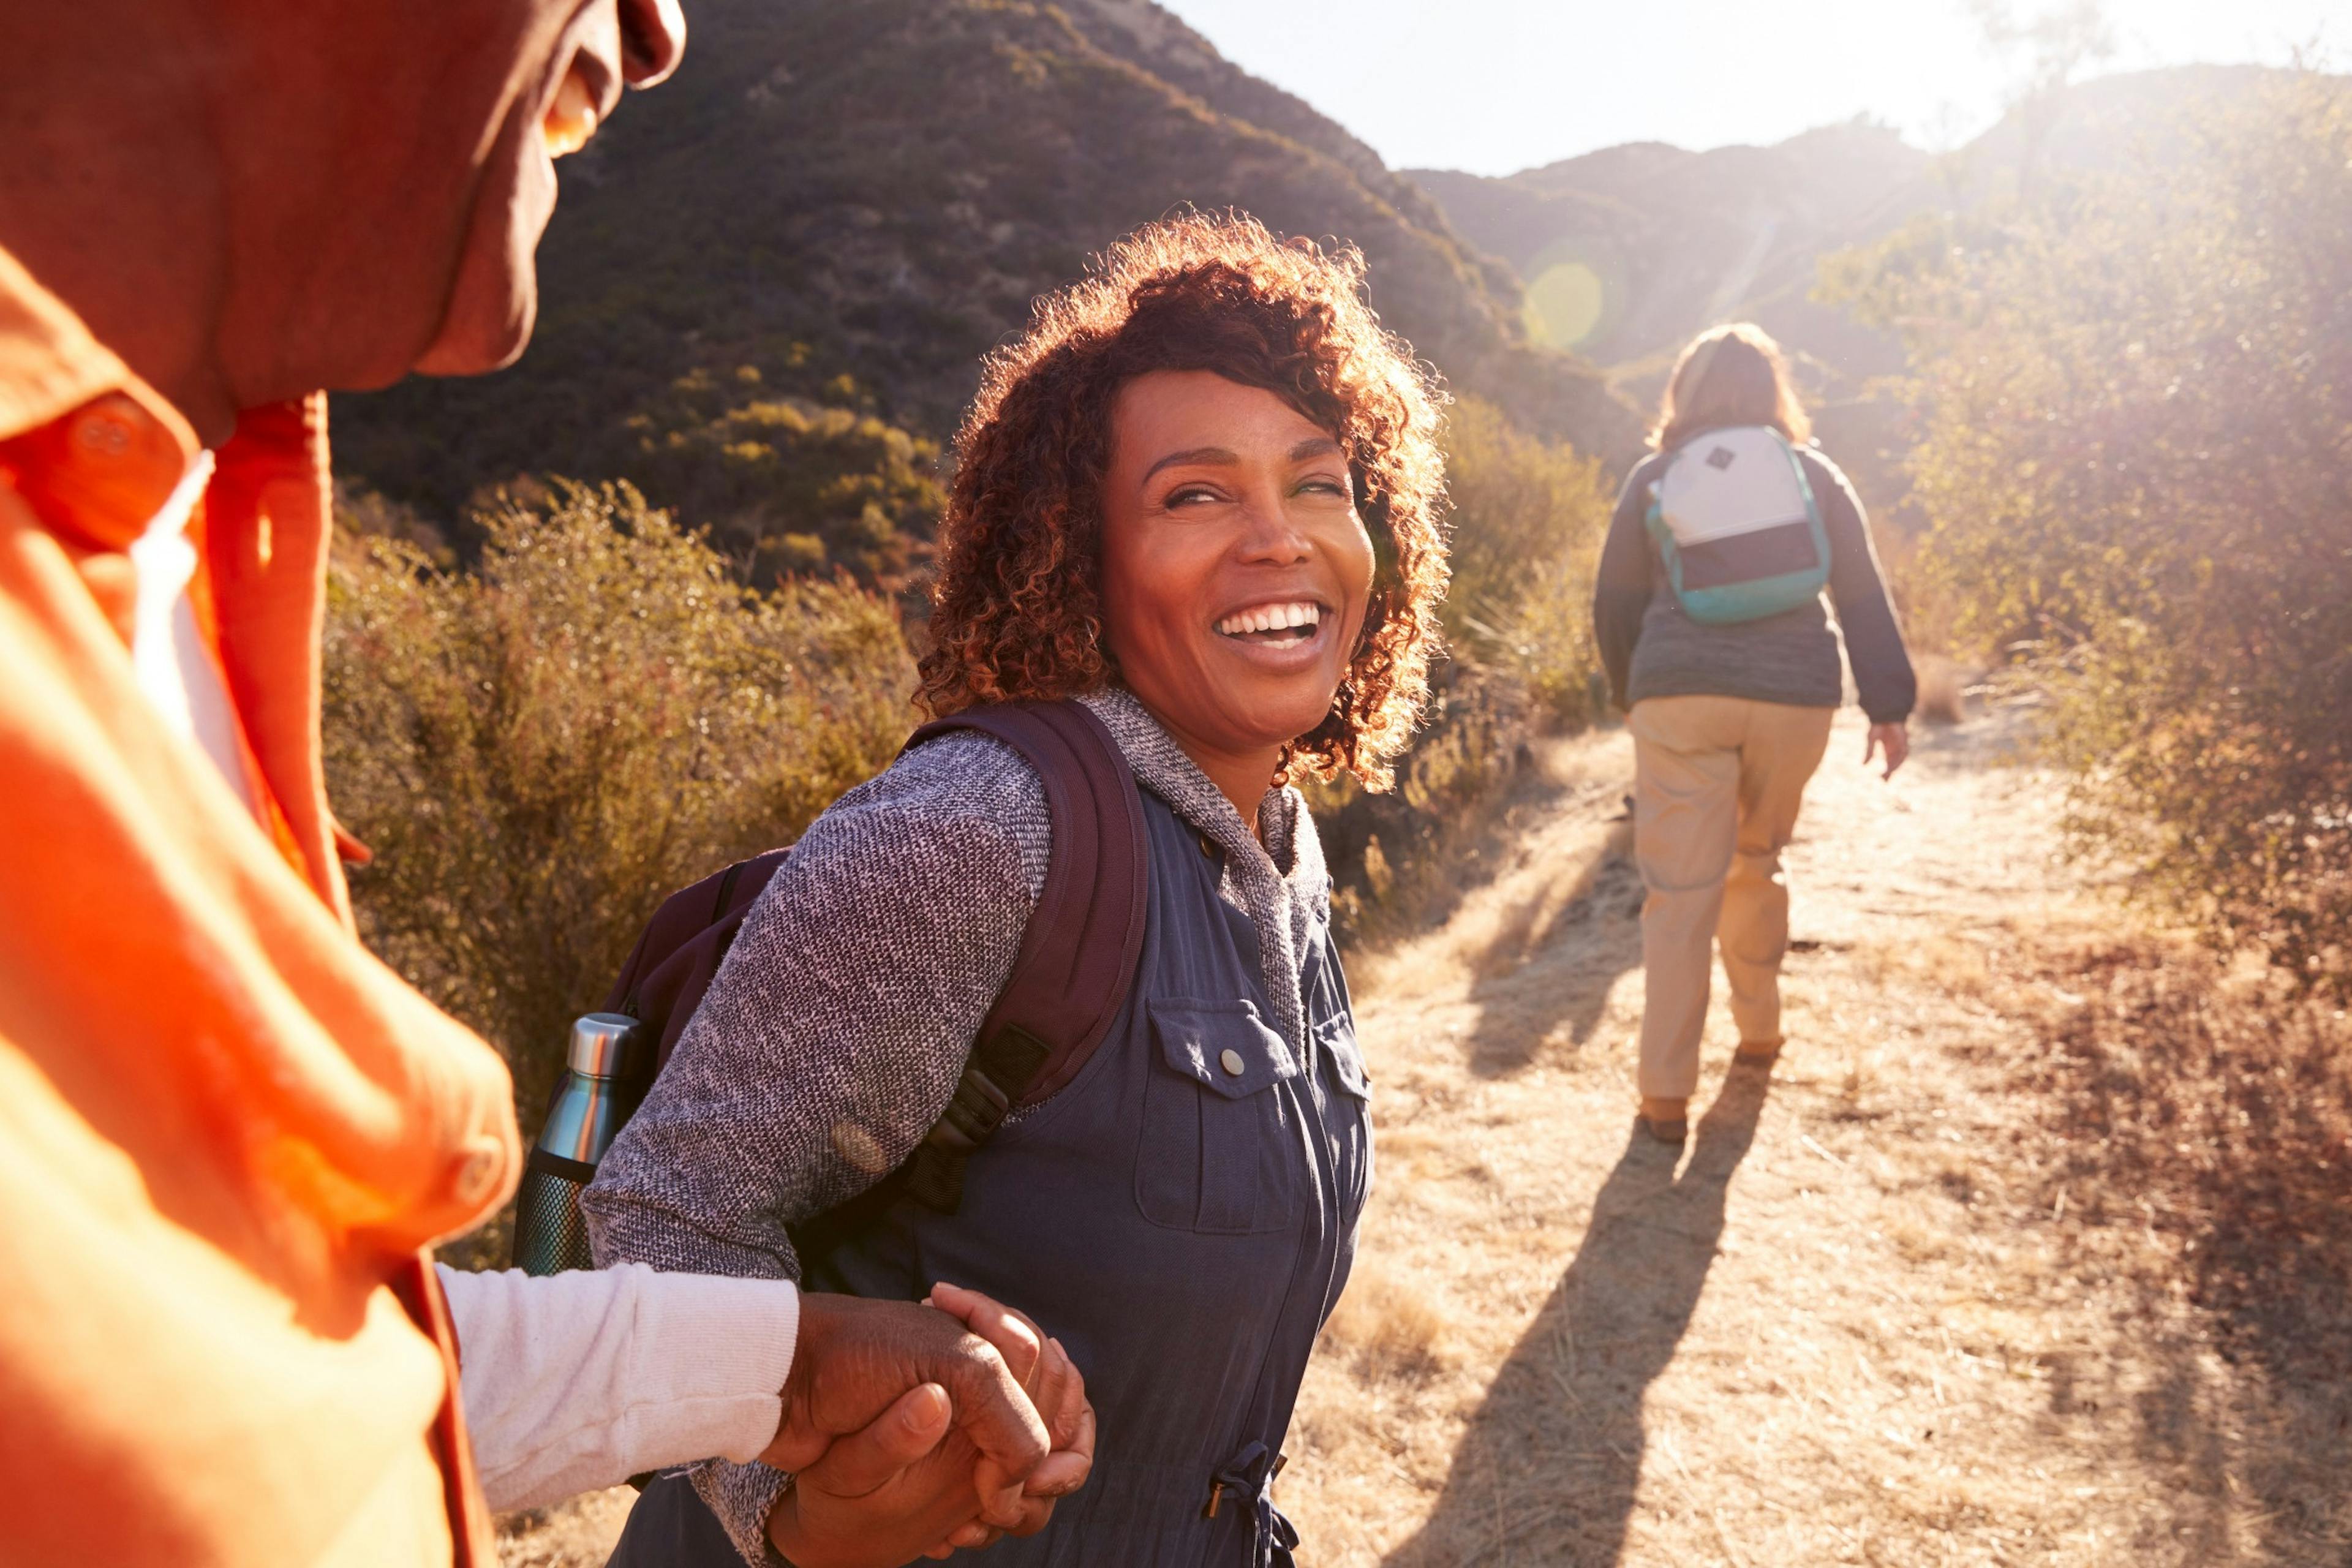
[(911, 1431)]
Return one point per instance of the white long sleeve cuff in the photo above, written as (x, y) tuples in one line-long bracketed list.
[(582, 1379)]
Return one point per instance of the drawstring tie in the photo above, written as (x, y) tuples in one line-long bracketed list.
[(1248, 1480)]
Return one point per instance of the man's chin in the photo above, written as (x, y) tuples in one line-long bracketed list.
[(477, 341)]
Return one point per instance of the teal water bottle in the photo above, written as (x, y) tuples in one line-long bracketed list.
[(600, 1079)]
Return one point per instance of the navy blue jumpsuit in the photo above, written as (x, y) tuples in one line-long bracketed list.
[(1181, 1217)]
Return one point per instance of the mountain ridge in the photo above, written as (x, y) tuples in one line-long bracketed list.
[(852, 204), (1676, 238), (1627, 252), (1766, 214)]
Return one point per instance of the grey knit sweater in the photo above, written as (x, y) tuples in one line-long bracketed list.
[(835, 1032)]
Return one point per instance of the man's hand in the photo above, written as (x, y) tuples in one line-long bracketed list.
[(900, 1489), (1895, 739)]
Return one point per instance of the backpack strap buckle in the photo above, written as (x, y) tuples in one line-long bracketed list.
[(995, 1076)]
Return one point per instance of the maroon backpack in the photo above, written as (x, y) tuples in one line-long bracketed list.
[(1070, 978)]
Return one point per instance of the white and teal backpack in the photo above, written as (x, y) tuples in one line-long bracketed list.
[(1738, 527)]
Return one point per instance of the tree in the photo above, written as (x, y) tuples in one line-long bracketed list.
[(2045, 51), (2136, 464), (790, 486)]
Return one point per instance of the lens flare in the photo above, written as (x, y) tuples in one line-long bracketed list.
[(1564, 304)]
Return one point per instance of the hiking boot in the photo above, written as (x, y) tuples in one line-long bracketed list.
[(1759, 1053), (1667, 1120)]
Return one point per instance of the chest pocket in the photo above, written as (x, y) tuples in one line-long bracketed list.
[(1336, 1037), (1222, 1151)]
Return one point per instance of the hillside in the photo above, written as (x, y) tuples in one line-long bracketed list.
[(1627, 251), (1624, 253), (876, 191)]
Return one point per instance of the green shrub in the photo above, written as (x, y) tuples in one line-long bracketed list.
[(786, 486), (1529, 519), (2136, 465), (539, 751)]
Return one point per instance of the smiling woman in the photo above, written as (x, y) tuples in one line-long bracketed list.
[(1083, 434), (1234, 577), (1196, 498)]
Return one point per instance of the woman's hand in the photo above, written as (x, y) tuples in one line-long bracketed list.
[(913, 1482), (1054, 1386), (1893, 739)]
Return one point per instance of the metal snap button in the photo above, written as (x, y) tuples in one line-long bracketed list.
[(1230, 1060)]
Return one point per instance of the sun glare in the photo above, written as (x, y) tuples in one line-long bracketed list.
[(1566, 303), (1492, 87)]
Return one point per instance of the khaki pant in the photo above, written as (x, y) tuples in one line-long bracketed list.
[(1716, 785)]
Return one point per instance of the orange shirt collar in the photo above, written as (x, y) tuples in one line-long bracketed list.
[(96, 452), (104, 471)]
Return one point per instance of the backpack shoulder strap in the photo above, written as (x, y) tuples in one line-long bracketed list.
[(678, 952), (1078, 955), (1078, 951)]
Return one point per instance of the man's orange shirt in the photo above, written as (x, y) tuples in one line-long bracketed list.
[(227, 1132)]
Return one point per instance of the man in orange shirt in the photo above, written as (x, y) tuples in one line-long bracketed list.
[(228, 1135)]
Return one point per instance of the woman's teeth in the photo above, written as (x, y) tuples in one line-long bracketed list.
[(1276, 623), (570, 118)]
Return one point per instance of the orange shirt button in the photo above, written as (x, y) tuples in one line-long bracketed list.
[(102, 430), (479, 1166)]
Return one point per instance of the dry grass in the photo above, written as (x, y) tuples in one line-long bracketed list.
[(1390, 1328), (2201, 1123), (1943, 690), (1902, 1303), (577, 1534)]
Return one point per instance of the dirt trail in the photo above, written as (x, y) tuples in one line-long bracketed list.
[(1852, 1323), (1871, 1314)]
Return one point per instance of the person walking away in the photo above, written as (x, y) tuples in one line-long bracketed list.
[(1707, 613)]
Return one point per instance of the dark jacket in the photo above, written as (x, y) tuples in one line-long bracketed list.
[(833, 1034)]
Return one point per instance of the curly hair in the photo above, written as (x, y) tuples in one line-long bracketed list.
[(1016, 610)]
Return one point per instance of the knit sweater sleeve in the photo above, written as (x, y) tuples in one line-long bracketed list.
[(832, 1035), (1883, 677)]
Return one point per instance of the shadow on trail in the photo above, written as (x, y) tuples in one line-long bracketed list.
[(1546, 970), (1549, 1468)]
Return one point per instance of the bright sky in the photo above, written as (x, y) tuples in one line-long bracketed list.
[(1494, 86)]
